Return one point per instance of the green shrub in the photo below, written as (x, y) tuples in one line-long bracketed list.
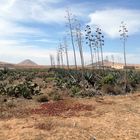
[(26, 90), (109, 79), (54, 95), (86, 93), (75, 89)]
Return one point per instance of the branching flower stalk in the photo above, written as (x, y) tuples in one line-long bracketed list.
[(79, 42), (112, 57), (58, 59), (52, 61), (66, 52), (97, 52), (89, 40), (123, 36), (61, 55), (69, 19), (95, 55), (100, 40)]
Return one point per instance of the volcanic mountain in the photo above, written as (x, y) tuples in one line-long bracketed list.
[(27, 62)]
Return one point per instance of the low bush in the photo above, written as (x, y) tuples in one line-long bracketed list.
[(26, 90), (46, 125), (54, 95), (109, 79), (75, 89), (42, 98), (112, 90)]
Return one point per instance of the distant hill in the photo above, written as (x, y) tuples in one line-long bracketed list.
[(6, 64), (108, 64), (28, 62), (1, 62), (114, 64)]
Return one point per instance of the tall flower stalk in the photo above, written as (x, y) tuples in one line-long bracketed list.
[(69, 18), (123, 36), (89, 41), (66, 52), (100, 44)]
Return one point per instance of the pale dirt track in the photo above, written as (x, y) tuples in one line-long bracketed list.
[(113, 118)]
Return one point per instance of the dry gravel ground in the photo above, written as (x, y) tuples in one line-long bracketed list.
[(112, 118)]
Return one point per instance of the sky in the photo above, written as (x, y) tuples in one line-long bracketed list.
[(33, 29)]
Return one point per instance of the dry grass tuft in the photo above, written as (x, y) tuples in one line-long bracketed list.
[(45, 125)]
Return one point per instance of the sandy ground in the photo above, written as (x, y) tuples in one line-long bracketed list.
[(113, 118)]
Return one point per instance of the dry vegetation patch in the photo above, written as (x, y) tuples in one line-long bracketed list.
[(60, 107), (107, 118)]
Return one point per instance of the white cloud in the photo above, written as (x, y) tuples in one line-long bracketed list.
[(14, 12), (39, 10), (109, 20), (6, 4), (7, 42), (9, 28)]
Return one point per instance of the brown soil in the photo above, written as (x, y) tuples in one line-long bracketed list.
[(61, 108), (107, 118)]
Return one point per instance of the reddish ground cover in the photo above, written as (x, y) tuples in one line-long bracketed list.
[(60, 107)]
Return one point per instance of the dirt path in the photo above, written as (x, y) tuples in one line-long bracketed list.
[(112, 118)]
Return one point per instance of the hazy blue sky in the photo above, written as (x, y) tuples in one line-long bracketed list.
[(31, 29)]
